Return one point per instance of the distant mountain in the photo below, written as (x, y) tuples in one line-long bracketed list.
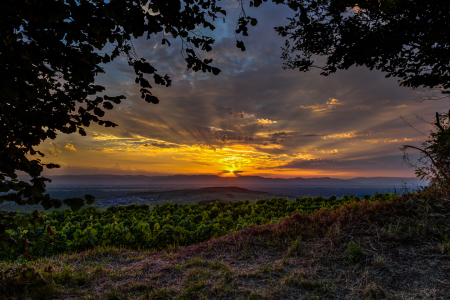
[(214, 180), (248, 180), (389, 181)]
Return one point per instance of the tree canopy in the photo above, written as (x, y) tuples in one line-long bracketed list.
[(51, 52), (407, 39)]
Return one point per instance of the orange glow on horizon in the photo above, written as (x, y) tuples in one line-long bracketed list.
[(105, 153), (228, 174)]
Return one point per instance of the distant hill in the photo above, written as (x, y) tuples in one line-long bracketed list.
[(214, 180), (203, 195)]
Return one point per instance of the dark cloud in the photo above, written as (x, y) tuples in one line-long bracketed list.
[(227, 110), (254, 103), (229, 172), (229, 138), (378, 163), (283, 134), (161, 145)]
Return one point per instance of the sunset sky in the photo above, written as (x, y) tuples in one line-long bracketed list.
[(254, 118)]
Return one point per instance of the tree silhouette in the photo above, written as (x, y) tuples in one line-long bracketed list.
[(434, 159), (407, 39)]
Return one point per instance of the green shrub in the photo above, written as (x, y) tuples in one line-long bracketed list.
[(143, 227), (354, 252)]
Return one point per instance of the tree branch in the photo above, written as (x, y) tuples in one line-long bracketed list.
[(427, 154)]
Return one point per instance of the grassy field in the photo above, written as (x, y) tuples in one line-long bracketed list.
[(395, 249)]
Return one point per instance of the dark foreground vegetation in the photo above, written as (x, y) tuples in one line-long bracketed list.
[(394, 247), (144, 227)]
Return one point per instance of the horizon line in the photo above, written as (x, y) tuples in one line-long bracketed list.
[(218, 175)]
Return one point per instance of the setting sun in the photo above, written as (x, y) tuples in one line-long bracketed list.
[(285, 126)]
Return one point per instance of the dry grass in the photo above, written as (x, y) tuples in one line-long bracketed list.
[(404, 255)]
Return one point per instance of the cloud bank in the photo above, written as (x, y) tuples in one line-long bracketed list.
[(253, 117)]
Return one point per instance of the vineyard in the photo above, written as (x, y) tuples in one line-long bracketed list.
[(158, 227)]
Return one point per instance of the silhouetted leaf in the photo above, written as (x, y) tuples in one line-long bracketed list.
[(240, 45), (89, 199), (151, 99), (74, 203)]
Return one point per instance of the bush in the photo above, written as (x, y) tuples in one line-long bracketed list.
[(354, 252)]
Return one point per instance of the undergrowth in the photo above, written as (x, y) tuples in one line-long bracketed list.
[(169, 225), (383, 249)]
